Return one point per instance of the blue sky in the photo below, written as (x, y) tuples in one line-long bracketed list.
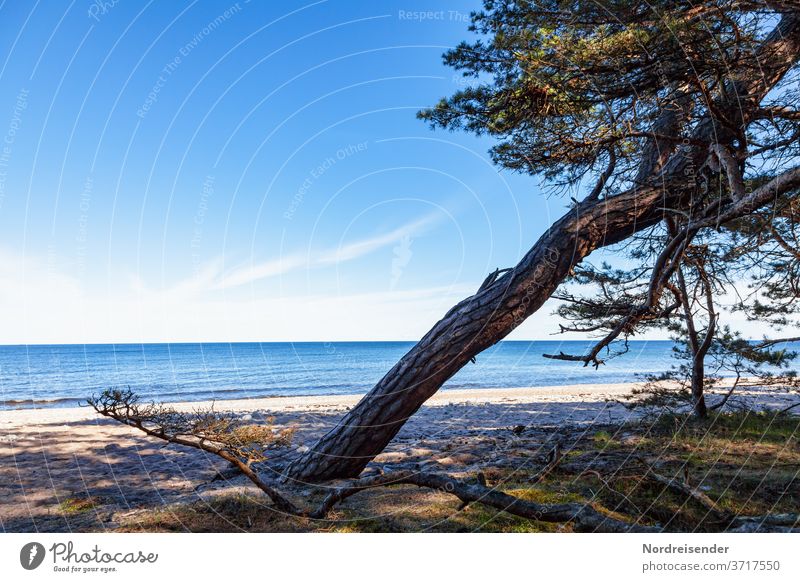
[(222, 171)]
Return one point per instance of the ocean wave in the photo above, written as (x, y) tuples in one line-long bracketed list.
[(16, 403)]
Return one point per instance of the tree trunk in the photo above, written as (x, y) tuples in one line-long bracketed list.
[(698, 399), (485, 318), (472, 326)]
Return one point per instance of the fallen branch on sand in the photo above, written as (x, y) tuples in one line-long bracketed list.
[(584, 517)]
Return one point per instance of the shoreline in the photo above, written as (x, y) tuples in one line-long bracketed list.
[(585, 392), (332, 402)]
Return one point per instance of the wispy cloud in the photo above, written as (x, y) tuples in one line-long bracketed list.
[(43, 303), (341, 254)]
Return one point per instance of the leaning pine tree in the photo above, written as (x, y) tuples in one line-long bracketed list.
[(652, 110), (707, 351)]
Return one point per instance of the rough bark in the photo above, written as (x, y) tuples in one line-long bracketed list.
[(470, 327), (698, 366), (485, 318), (698, 397)]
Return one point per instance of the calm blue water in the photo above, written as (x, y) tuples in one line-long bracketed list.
[(64, 375)]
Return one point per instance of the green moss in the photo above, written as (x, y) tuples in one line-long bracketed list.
[(74, 505), (537, 495), (604, 440)]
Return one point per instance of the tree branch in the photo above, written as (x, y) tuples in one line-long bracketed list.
[(732, 171), (583, 516)]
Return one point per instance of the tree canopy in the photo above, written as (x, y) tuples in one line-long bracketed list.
[(573, 90)]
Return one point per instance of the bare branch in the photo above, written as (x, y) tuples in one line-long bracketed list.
[(772, 342), (208, 431), (604, 177), (732, 170)]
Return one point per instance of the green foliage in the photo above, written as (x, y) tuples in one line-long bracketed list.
[(560, 84)]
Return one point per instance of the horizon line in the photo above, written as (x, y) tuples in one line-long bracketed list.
[(241, 342)]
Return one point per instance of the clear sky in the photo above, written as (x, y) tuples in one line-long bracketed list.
[(240, 171)]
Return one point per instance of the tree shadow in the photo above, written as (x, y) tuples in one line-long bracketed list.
[(86, 475)]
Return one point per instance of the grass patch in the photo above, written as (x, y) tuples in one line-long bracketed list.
[(604, 440), (746, 462), (76, 505)]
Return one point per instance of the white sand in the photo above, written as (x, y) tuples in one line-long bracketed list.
[(579, 392)]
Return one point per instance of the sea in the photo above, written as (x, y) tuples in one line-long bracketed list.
[(39, 376)]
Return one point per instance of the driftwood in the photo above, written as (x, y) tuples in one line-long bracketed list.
[(204, 430), (583, 516), (683, 488)]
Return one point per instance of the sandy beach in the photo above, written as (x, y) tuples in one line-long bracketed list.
[(51, 457)]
